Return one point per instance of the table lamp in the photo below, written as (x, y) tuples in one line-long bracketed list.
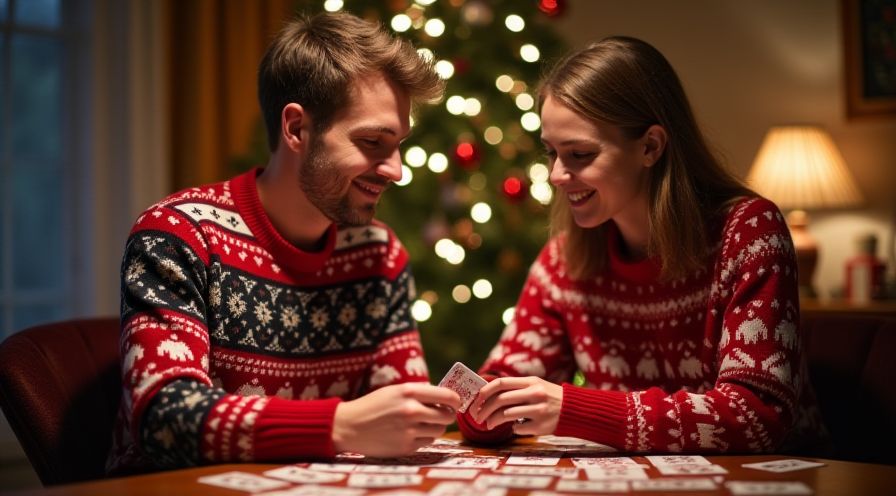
[(800, 168)]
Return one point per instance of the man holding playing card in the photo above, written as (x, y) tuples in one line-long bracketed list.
[(668, 284), (267, 317)]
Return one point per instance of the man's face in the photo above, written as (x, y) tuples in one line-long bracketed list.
[(347, 167)]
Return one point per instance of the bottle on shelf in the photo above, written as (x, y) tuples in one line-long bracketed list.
[(865, 272)]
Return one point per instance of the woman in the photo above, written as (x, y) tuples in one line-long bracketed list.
[(669, 284)]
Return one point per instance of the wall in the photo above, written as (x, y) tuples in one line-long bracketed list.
[(750, 65)]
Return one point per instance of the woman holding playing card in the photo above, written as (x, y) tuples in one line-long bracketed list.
[(667, 283)]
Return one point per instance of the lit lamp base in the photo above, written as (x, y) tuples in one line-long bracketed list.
[(806, 251)]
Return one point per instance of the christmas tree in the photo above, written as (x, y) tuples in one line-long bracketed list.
[(472, 205)]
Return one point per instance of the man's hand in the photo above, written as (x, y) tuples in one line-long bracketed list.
[(394, 420), (533, 403)]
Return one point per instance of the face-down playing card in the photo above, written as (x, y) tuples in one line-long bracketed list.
[(464, 382)]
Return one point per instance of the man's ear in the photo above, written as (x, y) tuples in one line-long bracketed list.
[(295, 125), (655, 139)]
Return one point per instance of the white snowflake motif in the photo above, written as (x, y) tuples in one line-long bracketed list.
[(214, 294), (347, 315), (135, 270), (376, 308), (170, 271), (236, 305), (263, 313), (319, 318), (290, 317)]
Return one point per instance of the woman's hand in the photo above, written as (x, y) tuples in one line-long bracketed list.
[(531, 402)]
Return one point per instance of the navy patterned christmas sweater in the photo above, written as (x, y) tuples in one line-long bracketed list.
[(237, 346)]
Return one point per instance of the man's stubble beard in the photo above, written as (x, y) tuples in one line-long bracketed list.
[(322, 183)]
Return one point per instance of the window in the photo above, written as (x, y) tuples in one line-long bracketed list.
[(40, 75)]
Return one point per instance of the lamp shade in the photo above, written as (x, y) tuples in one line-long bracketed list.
[(800, 167)]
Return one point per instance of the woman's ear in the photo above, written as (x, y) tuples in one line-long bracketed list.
[(294, 125), (654, 144)]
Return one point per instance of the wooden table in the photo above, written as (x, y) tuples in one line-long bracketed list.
[(835, 478)]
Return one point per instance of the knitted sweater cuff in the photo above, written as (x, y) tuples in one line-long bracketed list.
[(288, 429), (479, 433), (595, 415)]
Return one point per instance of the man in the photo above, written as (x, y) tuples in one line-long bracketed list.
[(267, 317)]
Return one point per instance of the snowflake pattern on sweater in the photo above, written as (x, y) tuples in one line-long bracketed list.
[(711, 362), (238, 346)]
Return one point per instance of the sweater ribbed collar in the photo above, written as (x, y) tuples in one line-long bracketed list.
[(641, 271), (286, 255)]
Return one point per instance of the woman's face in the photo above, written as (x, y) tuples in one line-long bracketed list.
[(602, 173)]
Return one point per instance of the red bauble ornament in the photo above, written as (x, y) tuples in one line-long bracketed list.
[(552, 8), (467, 155), (461, 66), (514, 189)]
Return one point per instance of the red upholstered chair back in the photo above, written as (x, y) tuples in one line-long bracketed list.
[(59, 388), (852, 366)]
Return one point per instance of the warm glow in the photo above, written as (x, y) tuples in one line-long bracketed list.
[(415, 156), (472, 106), (542, 192), (421, 311), (437, 163), (524, 101), (800, 167), (461, 293), (493, 135), (455, 104), (530, 121), (529, 53), (481, 212), (445, 69), (406, 176), (482, 289), (401, 23), (514, 23), (333, 5), (504, 83), (507, 315), (434, 27)]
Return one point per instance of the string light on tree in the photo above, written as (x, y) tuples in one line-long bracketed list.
[(467, 155), (481, 212), (504, 83), (421, 311), (461, 293), (401, 23), (529, 52), (552, 8), (445, 69), (482, 289), (507, 315), (513, 189), (434, 27), (406, 176), (530, 121), (524, 101), (437, 162), (515, 23), (455, 104)]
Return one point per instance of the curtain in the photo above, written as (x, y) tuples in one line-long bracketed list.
[(213, 49)]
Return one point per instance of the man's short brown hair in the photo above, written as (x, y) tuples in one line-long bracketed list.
[(313, 61)]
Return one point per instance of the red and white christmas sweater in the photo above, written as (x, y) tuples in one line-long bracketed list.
[(237, 346), (711, 362)]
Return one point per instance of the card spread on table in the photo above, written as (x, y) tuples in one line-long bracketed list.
[(333, 467), (615, 473), (692, 469), (674, 484), (242, 481), (452, 473), (788, 465), (514, 481), (605, 461), (313, 490), (451, 489), (469, 462), (464, 382), (302, 475), (388, 469), (588, 486), (384, 480), (532, 460), (659, 460), (566, 472), (744, 488)]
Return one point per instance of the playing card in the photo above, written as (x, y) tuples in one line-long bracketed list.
[(514, 481), (313, 490), (692, 469), (388, 469), (574, 442), (333, 467), (532, 460), (565, 472), (659, 460), (587, 486), (788, 465), (242, 481), (464, 382), (742, 488), (451, 489), (302, 475), (674, 484), (384, 480), (608, 461), (485, 462), (444, 448), (452, 473), (615, 473)]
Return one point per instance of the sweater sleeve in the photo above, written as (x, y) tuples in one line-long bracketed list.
[(751, 404), (175, 412), (533, 344)]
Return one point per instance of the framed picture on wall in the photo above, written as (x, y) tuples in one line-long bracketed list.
[(869, 48)]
